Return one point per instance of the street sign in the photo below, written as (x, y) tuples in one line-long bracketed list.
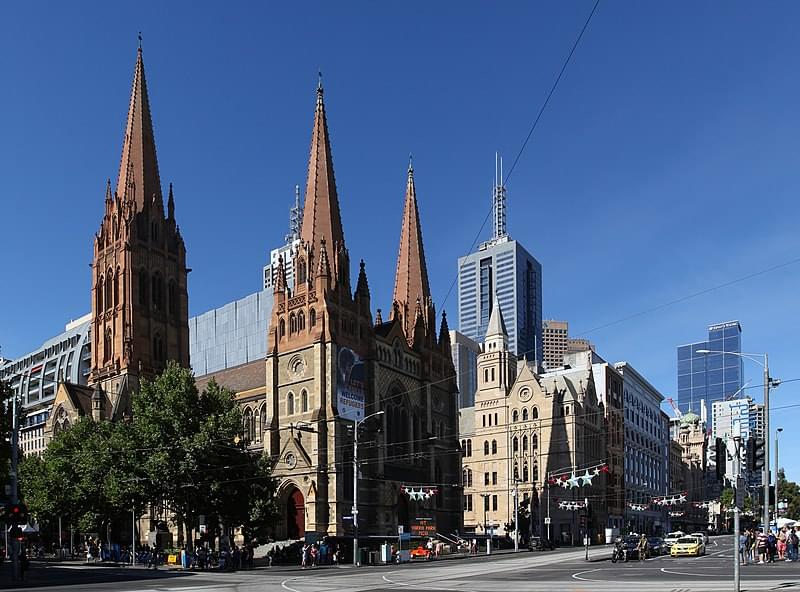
[(740, 491), (547, 519), (405, 536), (423, 527), (399, 529)]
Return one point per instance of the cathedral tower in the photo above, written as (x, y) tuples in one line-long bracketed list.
[(139, 294)]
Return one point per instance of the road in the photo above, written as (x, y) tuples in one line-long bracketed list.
[(563, 570)]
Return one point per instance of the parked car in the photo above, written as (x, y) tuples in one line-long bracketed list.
[(672, 538), (657, 546), (691, 546), (421, 552), (631, 544), (703, 536), (537, 543)]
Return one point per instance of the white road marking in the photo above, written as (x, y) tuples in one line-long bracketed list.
[(285, 587), (577, 575)]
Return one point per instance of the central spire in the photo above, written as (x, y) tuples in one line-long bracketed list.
[(411, 278), (321, 218), (138, 167)]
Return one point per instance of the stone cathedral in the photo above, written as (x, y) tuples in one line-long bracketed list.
[(330, 364)]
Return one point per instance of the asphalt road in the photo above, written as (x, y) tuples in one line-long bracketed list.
[(563, 570)]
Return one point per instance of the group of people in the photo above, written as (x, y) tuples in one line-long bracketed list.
[(758, 546), (312, 555)]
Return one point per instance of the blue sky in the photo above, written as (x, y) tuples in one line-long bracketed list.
[(665, 164)]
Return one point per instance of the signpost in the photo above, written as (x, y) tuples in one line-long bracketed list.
[(423, 527)]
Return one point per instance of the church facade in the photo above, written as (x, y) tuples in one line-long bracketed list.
[(333, 368)]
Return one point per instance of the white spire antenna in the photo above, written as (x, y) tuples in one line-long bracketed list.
[(499, 200), (295, 218)]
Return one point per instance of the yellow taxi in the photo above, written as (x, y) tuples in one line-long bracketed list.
[(689, 546)]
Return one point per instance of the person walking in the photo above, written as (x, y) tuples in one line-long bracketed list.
[(743, 547), (782, 544), (772, 547), (792, 543), (762, 546), (642, 547)]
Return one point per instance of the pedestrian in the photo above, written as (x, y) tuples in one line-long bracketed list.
[(304, 556), (782, 544), (642, 547), (793, 544), (743, 548), (772, 546), (762, 546)]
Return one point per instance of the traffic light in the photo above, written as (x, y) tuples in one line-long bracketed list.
[(721, 452), (755, 454), (16, 514)]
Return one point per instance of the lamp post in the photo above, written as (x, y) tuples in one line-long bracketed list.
[(777, 432), (356, 425), (485, 497), (768, 382)]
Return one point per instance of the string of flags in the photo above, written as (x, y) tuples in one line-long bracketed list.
[(572, 479), (701, 504), (676, 514), (571, 505), (637, 507), (419, 493), (670, 500)]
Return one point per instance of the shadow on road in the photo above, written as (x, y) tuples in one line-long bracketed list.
[(43, 574)]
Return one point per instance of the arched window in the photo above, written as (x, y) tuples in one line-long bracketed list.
[(301, 321), (154, 231), (525, 414), (304, 400), (464, 478), (99, 294), (312, 317), (158, 348), (117, 283), (514, 416), (516, 472), (486, 447), (290, 403), (515, 444), (172, 297), (494, 446), (535, 472), (469, 447), (247, 417), (463, 448), (525, 472), (469, 477), (158, 292), (535, 442), (524, 443), (282, 329), (107, 345), (109, 288), (292, 324), (301, 270), (535, 413), (143, 293)]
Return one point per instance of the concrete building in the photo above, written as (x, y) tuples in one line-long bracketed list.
[(502, 268), (646, 451), (555, 335), (693, 441), (738, 418), (465, 361), (527, 432), (577, 344)]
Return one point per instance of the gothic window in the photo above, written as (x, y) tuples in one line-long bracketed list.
[(486, 447), (154, 231), (495, 419), (469, 477), (463, 448), (301, 271), (525, 414), (282, 329), (534, 442), (524, 443), (535, 472), (535, 413), (515, 444), (469, 447), (525, 472), (262, 420), (158, 292), (516, 472), (494, 446), (107, 346), (312, 317), (143, 294), (117, 282), (247, 418), (290, 403), (301, 321), (464, 478), (109, 297), (304, 400), (158, 348), (492, 374), (99, 295), (172, 296), (292, 324), (515, 416)]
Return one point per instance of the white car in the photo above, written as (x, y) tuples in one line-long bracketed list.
[(701, 535), (672, 538)]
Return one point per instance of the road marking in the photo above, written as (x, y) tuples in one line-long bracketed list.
[(285, 587), (577, 575), (681, 573)]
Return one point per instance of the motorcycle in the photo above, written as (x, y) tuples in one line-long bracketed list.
[(619, 554)]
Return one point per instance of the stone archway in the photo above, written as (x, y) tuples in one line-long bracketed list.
[(295, 514)]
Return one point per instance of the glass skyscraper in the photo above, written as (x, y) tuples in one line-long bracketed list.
[(711, 377)]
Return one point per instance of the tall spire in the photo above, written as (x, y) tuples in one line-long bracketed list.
[(411, 278), (499, 200), (321, 216), (138, 165), (496, 327)]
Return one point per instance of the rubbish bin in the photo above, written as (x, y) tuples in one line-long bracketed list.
[(363, 556)]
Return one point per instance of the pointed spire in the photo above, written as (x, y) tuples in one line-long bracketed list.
[(324, 267), (497, 327), (378, 318), (109, 197), (321, 217), (362, 287), (444, 331), (411, 277), (170, 205), (280, 276), (138, 166)]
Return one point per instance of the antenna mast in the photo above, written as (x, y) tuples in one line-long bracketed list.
[(295, 218), (499, 200)]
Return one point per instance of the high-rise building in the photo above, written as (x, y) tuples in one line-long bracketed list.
[(739, 419), (705, 378), (555, 335), (502, 268), (465, 361), (286, 251)]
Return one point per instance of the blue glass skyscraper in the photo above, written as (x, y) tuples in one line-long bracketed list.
[(711, 377), (502, 268)]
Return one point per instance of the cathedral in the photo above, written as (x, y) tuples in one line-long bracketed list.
[(333, 372)]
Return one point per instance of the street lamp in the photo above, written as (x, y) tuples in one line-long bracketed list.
[(356, 425), (768, 382), (777, 432)]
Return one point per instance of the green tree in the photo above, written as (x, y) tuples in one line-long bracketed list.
[(789, 491)]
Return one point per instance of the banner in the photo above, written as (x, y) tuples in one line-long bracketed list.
[(350, 384)]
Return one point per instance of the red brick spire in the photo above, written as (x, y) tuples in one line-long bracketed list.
[(138, 165), (321, 216), (411, 279)]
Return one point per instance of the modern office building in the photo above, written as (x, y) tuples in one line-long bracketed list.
[(646, 450), (502, 269), (287, 250), (465, 360), (739, 419), (555, 335), (710, 377)]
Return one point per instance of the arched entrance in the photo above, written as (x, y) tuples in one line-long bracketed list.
[(295, 514)]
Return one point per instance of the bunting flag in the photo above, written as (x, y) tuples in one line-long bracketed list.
[(570, 480), (670, 500), (676, 514), (419, 493), (637, 507), (571, 505), (703, 505)]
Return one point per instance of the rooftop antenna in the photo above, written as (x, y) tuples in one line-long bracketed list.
[(140, 41), (499, 200), (295, 218)]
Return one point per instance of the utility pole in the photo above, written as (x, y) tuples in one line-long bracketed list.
[(516, 516), (586, 527), (777, 433), (766, 445), (737, 556), (14, 489), (356, 562)]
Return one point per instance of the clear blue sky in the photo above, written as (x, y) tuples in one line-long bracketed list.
[(667, 162)]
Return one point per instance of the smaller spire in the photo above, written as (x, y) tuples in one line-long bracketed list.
[(140, 41), (410, 163), (378, 318), (497, 327), (170, 204), (362, 286), (109, 196), (444, 331), (324, 267), (280, 276)]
